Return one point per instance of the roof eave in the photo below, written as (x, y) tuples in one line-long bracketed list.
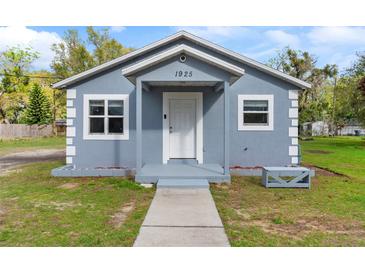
[(78, 77)]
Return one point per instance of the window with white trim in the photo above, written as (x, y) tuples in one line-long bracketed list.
[(255, 112), (106, 117)]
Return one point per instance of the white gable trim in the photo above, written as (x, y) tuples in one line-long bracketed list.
[(183, 34), (237, 71)]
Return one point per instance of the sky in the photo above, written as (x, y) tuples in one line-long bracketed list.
[(332, 45)]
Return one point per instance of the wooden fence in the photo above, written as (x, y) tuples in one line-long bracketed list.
[(11, 131)]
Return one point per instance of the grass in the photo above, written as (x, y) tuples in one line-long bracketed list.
[(17, 145), (345, 155), (331, 213), (39, 210)]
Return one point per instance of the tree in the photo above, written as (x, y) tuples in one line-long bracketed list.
[(357, 75), (358, 67), (39, 109), (362, 85), (302, 65), (71, 55), (15, 64), (57, 98), (106, 48)]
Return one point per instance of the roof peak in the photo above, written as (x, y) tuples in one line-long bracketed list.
[(195, 39)]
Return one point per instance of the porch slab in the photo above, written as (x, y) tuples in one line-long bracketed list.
[(151, 173)]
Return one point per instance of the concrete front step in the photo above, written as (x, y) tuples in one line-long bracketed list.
[(182, 183)]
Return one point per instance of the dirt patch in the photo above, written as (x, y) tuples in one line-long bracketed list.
[(121, 215), (244, 215), (302, 226), (2, 215), (69, 186), (323, 171), (57, 205), (10, 162), (317, 151)]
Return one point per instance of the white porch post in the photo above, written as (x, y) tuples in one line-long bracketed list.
[(138, 125), (226, 128)]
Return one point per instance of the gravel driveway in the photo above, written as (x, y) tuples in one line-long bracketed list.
[(14, 160)]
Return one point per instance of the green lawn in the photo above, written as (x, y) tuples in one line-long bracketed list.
[(39, 210), (345, 155), (10, 146), (331, 213)]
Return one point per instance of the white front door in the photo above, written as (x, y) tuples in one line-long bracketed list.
[(182, 128)]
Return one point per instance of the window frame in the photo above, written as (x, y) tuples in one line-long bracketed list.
[(256, 97), (106, 135)]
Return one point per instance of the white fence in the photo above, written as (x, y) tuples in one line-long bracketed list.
[(11, 131)]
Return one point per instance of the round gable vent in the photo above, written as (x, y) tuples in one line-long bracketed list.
[(182, 58)]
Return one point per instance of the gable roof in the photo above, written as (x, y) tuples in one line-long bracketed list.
[(195, 39), (236, 72)]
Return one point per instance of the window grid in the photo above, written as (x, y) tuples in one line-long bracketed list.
[(106, 117)]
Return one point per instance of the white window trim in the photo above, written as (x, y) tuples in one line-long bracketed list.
[(87, 135), (269, 98)]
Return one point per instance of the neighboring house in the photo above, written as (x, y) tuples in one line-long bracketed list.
[(318, 128), (181, 106), (321, 128), (350, 130)]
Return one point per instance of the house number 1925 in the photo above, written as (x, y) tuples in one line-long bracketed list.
[(185, 73)]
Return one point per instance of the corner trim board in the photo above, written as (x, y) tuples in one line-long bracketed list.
[(293, 94)]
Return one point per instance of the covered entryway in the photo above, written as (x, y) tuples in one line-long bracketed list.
[(180, 74)]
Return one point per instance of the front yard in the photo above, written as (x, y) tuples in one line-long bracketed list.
[(39, 210), (332, 213)]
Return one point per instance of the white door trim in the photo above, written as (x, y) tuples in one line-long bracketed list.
[(199, 123)]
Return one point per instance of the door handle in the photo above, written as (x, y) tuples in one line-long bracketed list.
[(170, 129)]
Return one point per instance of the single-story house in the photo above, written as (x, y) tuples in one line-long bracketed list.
[(180, 107)]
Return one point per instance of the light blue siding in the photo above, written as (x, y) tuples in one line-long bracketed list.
[(246, 148)]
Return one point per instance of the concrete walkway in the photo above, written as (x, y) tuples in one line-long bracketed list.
[(182, 217)]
